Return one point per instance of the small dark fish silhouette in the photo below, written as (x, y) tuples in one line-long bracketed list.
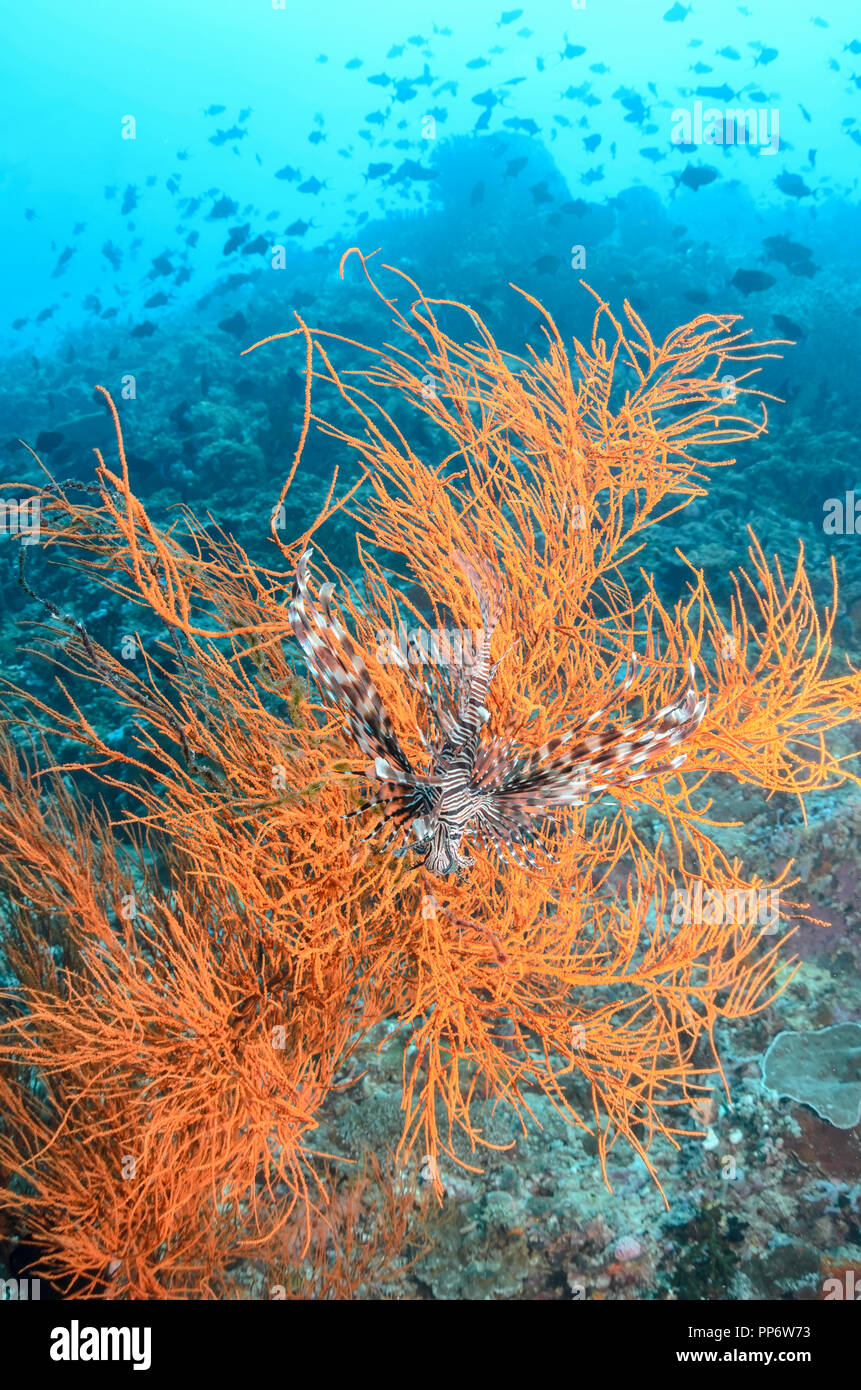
[(478, 63), (182, 275), (214, 110), (160, 266), (853, 47), (288, 173), (793, 186), (156, 301), (143, 330), (354, 63), (396, 50), (377, 171), (48, 440), (62, 261), (519, 123), (651, 152), (92, 302), (515, 166), (410, 169), (316, 137), (546, 265), (696, 176), (376, 118), (237, 324), (591, 143), (225, 207), (312, 185), (109, 314), (298, 228), (48, 313), (244, 114), (238, 237), (722, 93), (381, 79), (787, 252), (113, 254), (752, 281), (676, 13), (19, 323), (541, 193), (508, 17), (701, 67), (765, 56), (728, 52), (788, 327), (257, 247), (130, 200)]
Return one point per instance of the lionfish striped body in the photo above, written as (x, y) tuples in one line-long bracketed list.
[(478, 788)]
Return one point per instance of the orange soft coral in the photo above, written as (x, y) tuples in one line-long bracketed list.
[(282, 920)]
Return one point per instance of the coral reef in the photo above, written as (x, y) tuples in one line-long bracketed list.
[(190, 970)]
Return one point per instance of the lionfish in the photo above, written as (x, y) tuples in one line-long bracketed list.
[(477, 787)]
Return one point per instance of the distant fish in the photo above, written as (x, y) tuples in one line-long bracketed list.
[(316, 137), (788, 327), (92, 303), (591, 142), (244, 114), (62, 261), (696, 176), (752, 281), (238, 237), (46, 440), (378, 170), (130, 200), (48, 313), (224, 207), (144, 330), (722, 93), (237, 325), (508, 17), (381, 79), (853, 47), (765, 56), (312, 185), (820, 23), (161, 266), (411, 170), (515, 167), (257, 247), (541, 193), (156, 301), (355, 63), (288, 173), (29, 214), (598, 67), (793, 186), (376, 118), (786, 251), (676, 13), (298, 228), (520, 123), (19, 323), (396, 50), (547, 265), (701, 68), (805, 113), (593, 175), (728, 52), (478, 63), (572, 50), (214, 110), (182, 275), (112, 254), (652, 153)]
